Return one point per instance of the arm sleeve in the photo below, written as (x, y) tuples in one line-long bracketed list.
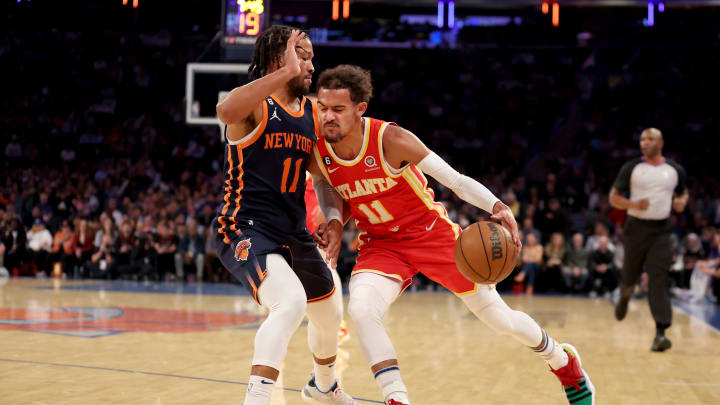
[(329, 200), (622, 181), (466, 188), (682, 177)]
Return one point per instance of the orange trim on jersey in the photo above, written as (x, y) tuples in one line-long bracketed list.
[(321, 164), (261, 273), (297, 114), (358, 158), (254, 288), (323, 297), (241, 184), (228, 190), (228, 187), (222, 232), (260, 129), (418, 183), (316, 119), (385, 167)]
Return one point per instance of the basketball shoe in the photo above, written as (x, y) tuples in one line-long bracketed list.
[(575, 381), (336, 396)]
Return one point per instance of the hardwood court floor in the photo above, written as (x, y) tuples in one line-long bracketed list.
[(87, 342)]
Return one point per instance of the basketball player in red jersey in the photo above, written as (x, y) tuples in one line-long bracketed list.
[(377, 167), (260, 230)]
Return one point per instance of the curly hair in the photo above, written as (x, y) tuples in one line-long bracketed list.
[(269, 46), (354, 78)]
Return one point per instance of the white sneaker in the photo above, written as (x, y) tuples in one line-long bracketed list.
[(336, 395)]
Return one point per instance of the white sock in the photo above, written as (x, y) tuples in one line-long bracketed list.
[(552, 353), (259, 389), (324, 376), (391, 382)]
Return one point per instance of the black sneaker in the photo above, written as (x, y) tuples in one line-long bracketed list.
[(660, 344), (621, 308)]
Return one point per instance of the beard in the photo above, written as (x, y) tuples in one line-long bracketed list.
[(297, 87), (335, 138)]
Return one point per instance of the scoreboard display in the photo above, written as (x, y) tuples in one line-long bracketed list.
[(244, 20)]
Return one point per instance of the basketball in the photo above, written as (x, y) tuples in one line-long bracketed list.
[(485, 253)]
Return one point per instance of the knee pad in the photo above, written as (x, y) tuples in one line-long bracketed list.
[(365, 304)]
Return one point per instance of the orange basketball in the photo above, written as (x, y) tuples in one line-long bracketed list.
[(485, 253)]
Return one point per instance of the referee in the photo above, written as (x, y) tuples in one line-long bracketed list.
[(655, 185)]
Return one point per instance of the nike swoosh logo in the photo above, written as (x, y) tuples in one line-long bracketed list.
[(265, 382), (427, 228), (332, 170)]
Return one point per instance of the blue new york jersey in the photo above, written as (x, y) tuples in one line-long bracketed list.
[(265, 172)]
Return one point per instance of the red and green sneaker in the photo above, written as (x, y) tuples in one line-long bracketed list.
[(575, 381)]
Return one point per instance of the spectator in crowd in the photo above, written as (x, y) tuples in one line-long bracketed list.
[(122, 250), (603, 274), (601, 230), (14, 239), (554, 253), (532, 254), (107, 229), (190, 253), (575, 265), (214, 270), (64, 245), (40, 243), (84, 229), (102, 260), (692, 252), (529, 228), (165, 245), (553, 218)]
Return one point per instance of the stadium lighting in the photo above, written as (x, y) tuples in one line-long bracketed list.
[(651, 15), (661, 7), (545, 7), (451, 14), (336, 10), (346, 8), (555, 14), (441, 14)]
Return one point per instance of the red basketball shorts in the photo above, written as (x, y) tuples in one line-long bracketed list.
[(430, 252)]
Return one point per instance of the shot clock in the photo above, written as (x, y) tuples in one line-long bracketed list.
[(244, 20)]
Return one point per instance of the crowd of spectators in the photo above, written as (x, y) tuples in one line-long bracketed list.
[(102, 178)]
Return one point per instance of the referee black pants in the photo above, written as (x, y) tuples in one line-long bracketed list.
[(648, 245)]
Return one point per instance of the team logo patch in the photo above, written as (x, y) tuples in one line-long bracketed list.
[(274, 115), (270, 101), (327, 160), (242, 250), (370, 161)]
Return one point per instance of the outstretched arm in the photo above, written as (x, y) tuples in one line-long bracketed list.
[(401, 147)]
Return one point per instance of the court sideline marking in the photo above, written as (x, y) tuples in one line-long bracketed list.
[(120, 370)]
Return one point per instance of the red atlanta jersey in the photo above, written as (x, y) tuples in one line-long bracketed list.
[(385, 202)]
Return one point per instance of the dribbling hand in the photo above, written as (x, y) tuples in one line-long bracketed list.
[(504, 215)]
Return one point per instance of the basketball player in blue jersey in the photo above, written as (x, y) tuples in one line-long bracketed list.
[(260, 227)]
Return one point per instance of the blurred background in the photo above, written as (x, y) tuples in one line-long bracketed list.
[(106, 173)]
